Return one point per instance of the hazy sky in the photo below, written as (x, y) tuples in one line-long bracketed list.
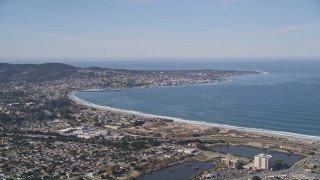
[(159, 28)]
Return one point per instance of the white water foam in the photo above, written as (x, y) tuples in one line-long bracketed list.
[(198, 122)]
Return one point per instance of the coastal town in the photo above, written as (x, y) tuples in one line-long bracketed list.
[(48, 133)]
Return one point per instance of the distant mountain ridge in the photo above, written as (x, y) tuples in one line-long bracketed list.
[(35, 72), (30, 73)]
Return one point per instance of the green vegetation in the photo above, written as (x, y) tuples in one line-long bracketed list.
[(200, 157), (255, 178), (195, 168), (34, 72), (138, 123), (4, 118)]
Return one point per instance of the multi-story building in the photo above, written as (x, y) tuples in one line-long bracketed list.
[(263, 161), (231, 162)]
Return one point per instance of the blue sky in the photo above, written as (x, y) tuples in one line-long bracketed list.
[(159, 28)]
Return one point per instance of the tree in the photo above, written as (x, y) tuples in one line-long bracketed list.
[(4, 118), (256, 178), (138, 123)]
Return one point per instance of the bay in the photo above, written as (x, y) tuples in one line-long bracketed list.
[(286, 99)]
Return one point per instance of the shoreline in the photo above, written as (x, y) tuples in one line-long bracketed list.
[(264, 132)]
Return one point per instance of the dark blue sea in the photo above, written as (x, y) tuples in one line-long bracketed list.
[(285, 100)]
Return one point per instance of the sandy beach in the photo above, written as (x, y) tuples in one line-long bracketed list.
[(199, 124), (180, 129)]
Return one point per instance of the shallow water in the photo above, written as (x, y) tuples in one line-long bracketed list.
[(181, 171), (250, 152)]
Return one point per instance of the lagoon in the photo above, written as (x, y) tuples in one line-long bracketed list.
[(181, 171), (250, 152)]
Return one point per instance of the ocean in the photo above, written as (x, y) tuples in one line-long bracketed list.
[(284, 100)]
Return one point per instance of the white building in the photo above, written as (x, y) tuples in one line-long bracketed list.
[(263, 161)]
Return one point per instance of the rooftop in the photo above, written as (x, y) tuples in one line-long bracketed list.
[(263, 155)]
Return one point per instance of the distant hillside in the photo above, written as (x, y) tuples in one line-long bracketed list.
[(35, 72), (55, 71)]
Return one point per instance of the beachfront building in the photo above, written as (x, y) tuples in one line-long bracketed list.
[(263, 161)]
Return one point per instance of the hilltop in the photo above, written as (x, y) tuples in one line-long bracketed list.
[(35, 72)]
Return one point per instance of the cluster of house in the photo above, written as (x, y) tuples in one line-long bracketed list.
[(88, 132)]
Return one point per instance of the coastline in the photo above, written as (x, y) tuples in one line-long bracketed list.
[(255, 131)]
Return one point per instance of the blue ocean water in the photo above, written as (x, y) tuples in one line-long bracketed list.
[(286, 99)]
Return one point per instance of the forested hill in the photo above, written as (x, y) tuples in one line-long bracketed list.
[(35, 72)]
